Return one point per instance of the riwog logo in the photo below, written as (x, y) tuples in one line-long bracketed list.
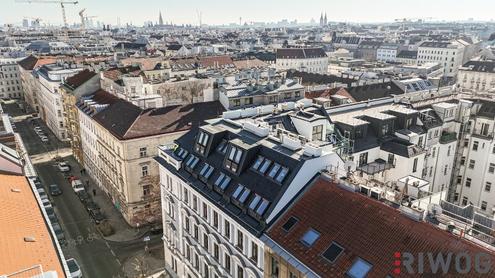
[(461, 263)]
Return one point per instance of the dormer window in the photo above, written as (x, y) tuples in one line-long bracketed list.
[(202, 142), (241, 193), (234, 158), (206, 171), (182, 153), (222, 181), (192, 161), (222, 147), (282, 174), (261, 164), (274, 170)]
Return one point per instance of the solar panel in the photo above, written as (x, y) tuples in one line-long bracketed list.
[(332, 252)]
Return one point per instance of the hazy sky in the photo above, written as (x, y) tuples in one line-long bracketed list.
[(227, 11)]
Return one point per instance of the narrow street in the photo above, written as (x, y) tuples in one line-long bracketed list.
[(97, 256)]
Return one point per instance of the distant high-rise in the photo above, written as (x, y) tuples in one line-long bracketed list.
[(160, 19)]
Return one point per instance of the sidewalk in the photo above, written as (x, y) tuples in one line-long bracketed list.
[(145, 264), (123, 231)]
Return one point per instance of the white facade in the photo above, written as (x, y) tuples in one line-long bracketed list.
[(476, 79), (312, 65), (449, 56), (387, 53), (10, 79)]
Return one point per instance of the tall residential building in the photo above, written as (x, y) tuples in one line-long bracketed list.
[(28, 79), (477, 76), (223, 184), (119, 143), (448, 54), (10, 79)]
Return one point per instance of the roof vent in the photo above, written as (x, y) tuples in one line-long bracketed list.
[(15, 190), (29, 239)]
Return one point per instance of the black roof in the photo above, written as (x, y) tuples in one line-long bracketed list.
[(300, 53), (253, 146), (400, 147), (487, 109), (408, 54), (481, 66), (374, 91)]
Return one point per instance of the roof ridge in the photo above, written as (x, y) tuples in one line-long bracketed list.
[(134, 122)]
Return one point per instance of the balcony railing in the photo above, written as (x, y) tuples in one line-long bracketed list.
[(167, 153), (448, 137)]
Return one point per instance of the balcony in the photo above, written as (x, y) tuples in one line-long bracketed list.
[(448, 137), (375, 167), (167, 153)]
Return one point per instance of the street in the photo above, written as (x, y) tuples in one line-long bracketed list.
[(97, 256)]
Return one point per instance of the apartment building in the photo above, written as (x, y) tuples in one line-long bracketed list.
[(387, 53), (476, 157), (29, 81), (10, 79), (49, 78), (449, 54), (119, 143), (408, 57), (246, 94), (313, 60), (477, 76), (81, 84), (225, 183), (334, 230), (155, 88)]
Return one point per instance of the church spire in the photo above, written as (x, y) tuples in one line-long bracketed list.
[(160, 19)]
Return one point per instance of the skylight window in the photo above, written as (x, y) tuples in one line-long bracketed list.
[(222, 181), (274, 170), (281, 175), (222, 147), (359, 269), (265, 165), (333, 252), (182, 153), (262, 207), (257, 163), (310, 237), (206, 171), (192, 161), (289, 224), (254, 202)]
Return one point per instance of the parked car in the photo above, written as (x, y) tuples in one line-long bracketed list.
[(63, 167), (58, 232), (37, 129), (97, 216), (74, 269), (83, 196), (91, 206), (53, 218), (38, 185), (77, 185), (44, 139), (55, 190), (46, 203)]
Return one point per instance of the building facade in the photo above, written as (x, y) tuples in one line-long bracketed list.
[(449, 54), (477, 76), (313, 60), (10, 79)]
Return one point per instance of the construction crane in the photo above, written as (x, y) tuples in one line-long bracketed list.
[(61, 2), (81, 14)]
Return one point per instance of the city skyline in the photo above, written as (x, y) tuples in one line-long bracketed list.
[(186, 12)]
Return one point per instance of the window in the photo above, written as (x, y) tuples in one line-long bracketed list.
[(192, 161), (227, 263), (206, 272), (282, 174), (475, 145), (187, 225), (359, 269), (257, 163), (333, 252), (289, 224), (205, 211), (491, 168), (464, 201), (317, 133), (144, 171), (222, 147), (202, 142), (254, 252), (448, 150), (463, 160), (146, 190), (415, 165), (445, 169), (488, 186), (240, 272), (265, 165), (222, 181), (196, 232), (142, 152), (240, 240), (459, 179), (233, 159), (216, 251), (205, 241), (274, 267), (483, 205), (182, 153), (468, 182), (206, 171), (310, 237), (241, 193), (215, 219), (262, 207), (292, 275), (186, 196), (195, 203), (471, 164), (226, 229)]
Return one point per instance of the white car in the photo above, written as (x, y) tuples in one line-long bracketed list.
[(63, 167), (38, 129), (74, 269), (77, 185), (46, 203), (44, 139)]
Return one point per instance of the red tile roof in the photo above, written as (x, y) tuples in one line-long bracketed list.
[(30, 62), (216, 61), (329, 92), (364, 227)]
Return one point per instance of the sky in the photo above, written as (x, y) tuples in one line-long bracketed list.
[(215, 12)]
